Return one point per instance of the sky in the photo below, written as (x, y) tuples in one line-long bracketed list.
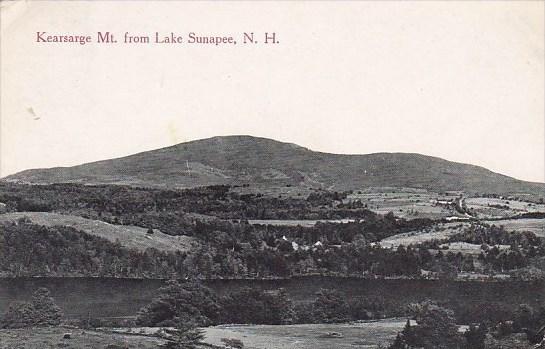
[(463, 81)]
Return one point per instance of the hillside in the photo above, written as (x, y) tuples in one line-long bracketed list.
[(267, 163), (128, 236)]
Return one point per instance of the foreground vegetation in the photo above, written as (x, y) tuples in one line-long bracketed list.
[(180, 308)]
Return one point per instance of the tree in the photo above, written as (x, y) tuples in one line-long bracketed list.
[(524, 317), (330, 306), (436, 328), (185, 336), (233, 343), (46, 312), (41, 311), (180, 302), (404, 338), (250, 305)]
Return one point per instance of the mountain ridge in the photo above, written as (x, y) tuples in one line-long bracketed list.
[(242, 159)]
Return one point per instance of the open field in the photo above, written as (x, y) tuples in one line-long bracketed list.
[(52, 338), (128, 236), (493, 207), (309, 336), (536, 226), (440, 232), (358, 335), (405, 202), (296, 222), (413, 203), (467, 248)]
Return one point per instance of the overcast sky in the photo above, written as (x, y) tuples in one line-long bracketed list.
[(459, 80)]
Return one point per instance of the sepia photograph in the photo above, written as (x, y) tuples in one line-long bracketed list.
[(272, 175)]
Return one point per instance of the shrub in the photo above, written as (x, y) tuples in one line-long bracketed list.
[(19, 314), (233, 343)]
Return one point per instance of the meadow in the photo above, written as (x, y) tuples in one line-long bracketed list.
[(128, 236), (309, 336)]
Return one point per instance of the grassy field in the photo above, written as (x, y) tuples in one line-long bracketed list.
[(406, 203), (492, 207), (467, 248), (356, 335), (413, 203), (369, 335), (128, 236), (296, 222), (537, 226), (52, 337), (439, 232)]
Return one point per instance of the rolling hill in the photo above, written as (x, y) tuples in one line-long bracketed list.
[(262, 162), (128, 236)]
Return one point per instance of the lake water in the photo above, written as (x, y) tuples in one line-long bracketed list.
[(108, 297)]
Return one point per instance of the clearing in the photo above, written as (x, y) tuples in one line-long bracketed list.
[(439, 232), (309, 336), (129, 236), (52, 338), (536, 226), (297, 222)]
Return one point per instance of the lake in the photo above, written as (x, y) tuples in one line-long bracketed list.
[(109, 297)]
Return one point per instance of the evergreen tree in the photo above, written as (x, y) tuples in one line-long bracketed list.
[(46, 312), (185, 336)]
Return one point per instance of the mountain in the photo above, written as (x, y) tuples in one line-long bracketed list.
[(264, 162)]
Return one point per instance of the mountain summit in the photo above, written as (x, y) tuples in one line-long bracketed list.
[(268, 163)]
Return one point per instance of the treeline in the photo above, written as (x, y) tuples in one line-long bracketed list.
[(219, 201), (373, 229), (188, 301), (174, 212), (436, 328), (496, 235)]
